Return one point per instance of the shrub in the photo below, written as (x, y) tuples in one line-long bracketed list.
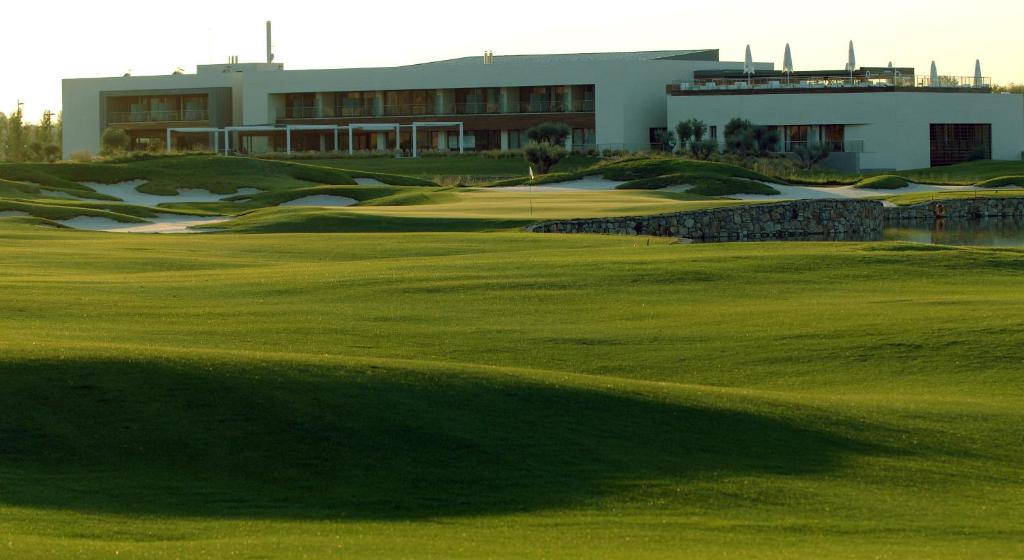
[(704, 149), (811, 154), (81, 156), (543, 156), (551, 133), (51, 152), (114, 141), (665, 141)]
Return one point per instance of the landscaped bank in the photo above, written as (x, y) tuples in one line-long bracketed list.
[(802, 219)]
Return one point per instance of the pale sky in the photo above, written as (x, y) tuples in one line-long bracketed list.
[(42, 42)]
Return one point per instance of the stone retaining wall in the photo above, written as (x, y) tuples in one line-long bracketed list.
[(805, 218), (958, 209)]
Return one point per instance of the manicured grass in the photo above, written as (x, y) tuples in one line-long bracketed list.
[(650, 167), (704, 185), (883, 182), (1010, 181), (506, 395), (465, 210), (165, 175), (468, 166), (966, 173)]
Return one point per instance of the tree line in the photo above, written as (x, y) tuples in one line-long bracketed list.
[(23, 141)]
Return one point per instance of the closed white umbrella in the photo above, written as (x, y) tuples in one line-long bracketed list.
[(748, 63), (851, 61), (977, 74), (935, 75), (787, 61)]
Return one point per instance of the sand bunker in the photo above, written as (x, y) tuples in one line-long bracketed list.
[(321, 200), (367, 181), (162, 223), (127, 192), (594, 183), (14, 214)]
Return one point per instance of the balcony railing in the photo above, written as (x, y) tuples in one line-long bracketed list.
[(186, 115), (878, 81), (430, 109)]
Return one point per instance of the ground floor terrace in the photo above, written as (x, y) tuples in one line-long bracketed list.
[(409, 139)]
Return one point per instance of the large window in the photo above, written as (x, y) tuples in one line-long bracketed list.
[(300, 105), (795, 136), (957, 143)]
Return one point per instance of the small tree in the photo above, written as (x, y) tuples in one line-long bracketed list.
[(684, 133), (765, 138), (543, 156), (704, 149), (115, 141), (811, 154), (665, 140), (15, 136), (551, 133), (547, 145), (51, 152)]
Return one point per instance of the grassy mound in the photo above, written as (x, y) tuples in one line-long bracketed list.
[(59, 210), (965, 174), (1009, 181), (652, 167), (342, 220), (506, 395), (165, 175), (704, 185), (882, 182)]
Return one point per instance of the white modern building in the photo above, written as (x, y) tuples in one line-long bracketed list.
[(610, 100), (871, 118)]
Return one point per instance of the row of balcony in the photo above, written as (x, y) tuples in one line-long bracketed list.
[(430, 109), (185, 115)]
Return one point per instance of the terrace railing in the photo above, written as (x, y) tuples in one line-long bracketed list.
[(186, 115), (755, 82)]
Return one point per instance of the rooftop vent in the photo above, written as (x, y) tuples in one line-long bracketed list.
[(233, 59), (488, 57)]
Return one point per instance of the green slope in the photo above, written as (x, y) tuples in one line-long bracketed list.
[(506, 395)]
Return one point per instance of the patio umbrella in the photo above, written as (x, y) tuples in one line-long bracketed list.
[(851, 62), (748, 63), (787, 61), (977, 74), (935, 75)]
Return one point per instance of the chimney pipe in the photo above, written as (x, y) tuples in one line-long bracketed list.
[(270, 53)]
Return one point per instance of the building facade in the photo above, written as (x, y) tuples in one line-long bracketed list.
[(871, 118), (610, 100)]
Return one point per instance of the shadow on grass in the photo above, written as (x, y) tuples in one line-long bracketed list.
[(281, 441)]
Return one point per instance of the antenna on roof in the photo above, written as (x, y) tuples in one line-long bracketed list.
[(270, 50)]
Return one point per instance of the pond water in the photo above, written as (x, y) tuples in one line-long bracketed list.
[(984, 232)]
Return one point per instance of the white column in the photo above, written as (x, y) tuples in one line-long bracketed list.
[(398, 137), (337, 148), (288, 139), (462, 139), (413, 139), (168, 140), (216, 142), (350, 140), (227, 142)]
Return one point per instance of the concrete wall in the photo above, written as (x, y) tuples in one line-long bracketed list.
[(801, 219), (894, 126)]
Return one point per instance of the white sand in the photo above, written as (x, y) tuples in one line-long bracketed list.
[(593, 183), (127, 192), (14, 214), (162, 223), (62, 194), (321, 200), (367, 181)]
